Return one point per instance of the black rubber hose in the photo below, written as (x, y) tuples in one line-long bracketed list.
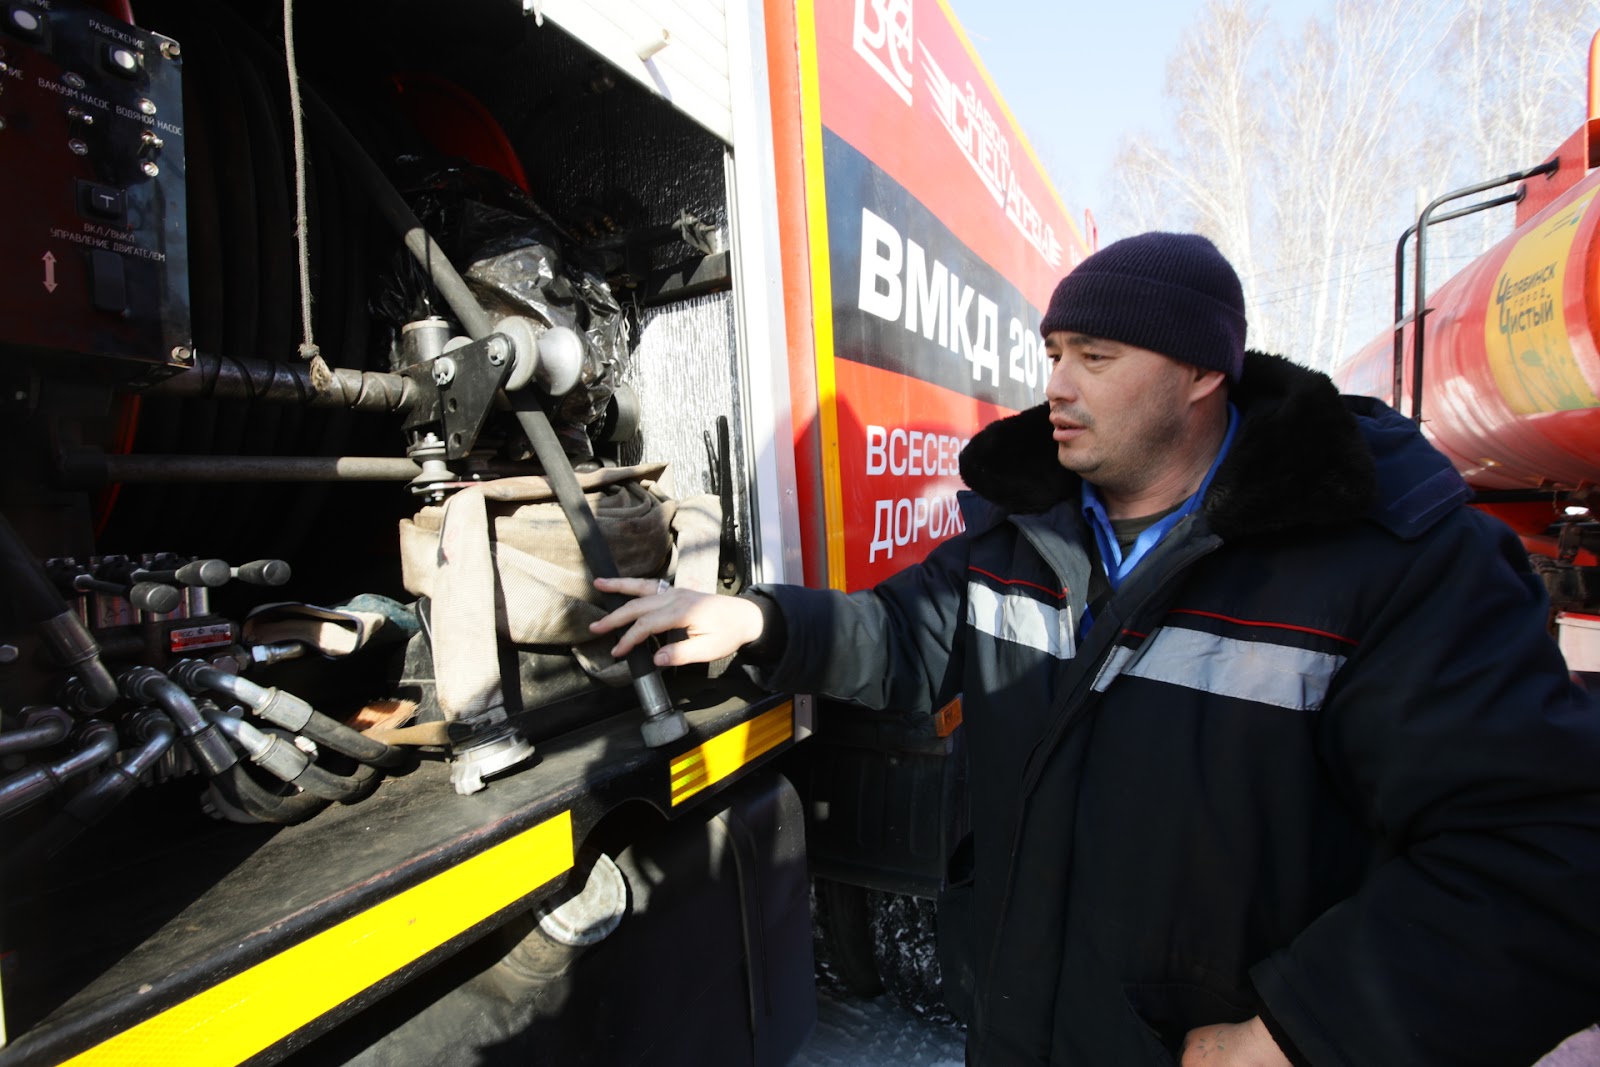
[(347, 789), (334, 734), (282, 708), (243, 792), (283, 760), (39, 604)]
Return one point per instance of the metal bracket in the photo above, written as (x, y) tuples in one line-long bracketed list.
[(459, 394)]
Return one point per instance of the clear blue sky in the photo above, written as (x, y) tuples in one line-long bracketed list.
[(1079, 75)]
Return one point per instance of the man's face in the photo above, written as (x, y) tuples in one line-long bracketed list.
[(1119, 412)]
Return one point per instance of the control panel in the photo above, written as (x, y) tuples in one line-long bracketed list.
[(93, 257)]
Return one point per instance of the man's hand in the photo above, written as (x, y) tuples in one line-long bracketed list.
[(717, 625), (1245, 1044)]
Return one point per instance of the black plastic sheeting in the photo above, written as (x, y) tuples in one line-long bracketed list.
[(517, 262)]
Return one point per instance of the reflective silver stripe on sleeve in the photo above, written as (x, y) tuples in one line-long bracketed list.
[(1261, 671), (1021, 620)]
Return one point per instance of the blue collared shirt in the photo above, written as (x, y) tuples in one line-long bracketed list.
[(1117, 566)]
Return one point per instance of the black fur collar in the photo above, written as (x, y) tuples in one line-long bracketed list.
[(1298, 460)]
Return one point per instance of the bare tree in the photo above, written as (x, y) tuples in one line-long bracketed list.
[(1515, 86), (1341, 106), (1203, 180), (1301, 153)]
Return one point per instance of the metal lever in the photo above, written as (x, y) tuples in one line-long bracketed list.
[(208, 573), (153, 597), (264, 572), (663, 723)]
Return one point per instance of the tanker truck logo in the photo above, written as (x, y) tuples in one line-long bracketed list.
[(983, 141), (1525, 331), (883, 38)]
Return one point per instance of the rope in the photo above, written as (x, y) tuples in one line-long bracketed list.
[(321, 377)]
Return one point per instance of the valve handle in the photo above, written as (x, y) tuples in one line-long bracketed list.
[(264, 572)]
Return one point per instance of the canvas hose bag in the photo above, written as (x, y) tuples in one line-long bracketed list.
[(500, 563)]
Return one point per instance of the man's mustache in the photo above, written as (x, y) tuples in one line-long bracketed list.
[(1072, 415)]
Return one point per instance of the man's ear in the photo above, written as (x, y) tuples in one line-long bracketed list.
[(1206, 382)]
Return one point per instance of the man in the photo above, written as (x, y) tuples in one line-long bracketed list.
[(1272, 759)]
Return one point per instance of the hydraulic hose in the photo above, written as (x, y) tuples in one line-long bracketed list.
[(282, 760), (156, 734), (41, 605), (146, 685), (36, 783), (282, 708), (43, 727), (242, 791), (662, 723)]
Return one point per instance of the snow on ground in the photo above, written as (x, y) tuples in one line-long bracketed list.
[(878, 1033)]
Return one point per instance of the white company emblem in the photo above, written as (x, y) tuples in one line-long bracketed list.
[(883, 38)]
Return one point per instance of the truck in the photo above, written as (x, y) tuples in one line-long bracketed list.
[(341, 345), (1500, 366)]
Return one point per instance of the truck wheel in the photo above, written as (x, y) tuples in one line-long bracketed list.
[(843, 938), (903, 942)]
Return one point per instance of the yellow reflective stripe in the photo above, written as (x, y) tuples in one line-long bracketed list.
[(253, 1010), (805, 20), (719, 757)]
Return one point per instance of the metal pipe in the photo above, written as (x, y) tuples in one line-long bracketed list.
[(269, 382), (282, 708), (1400, 319), (1420, 282), (264, 655), (156, 734), (43, 727), (35, 783), (273, 754), (90, 468), (210, 748), (87, 468)]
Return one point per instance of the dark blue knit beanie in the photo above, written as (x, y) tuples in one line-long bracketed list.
[(1172, 293)]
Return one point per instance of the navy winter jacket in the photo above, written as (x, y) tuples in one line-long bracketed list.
[(1317, 759)]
